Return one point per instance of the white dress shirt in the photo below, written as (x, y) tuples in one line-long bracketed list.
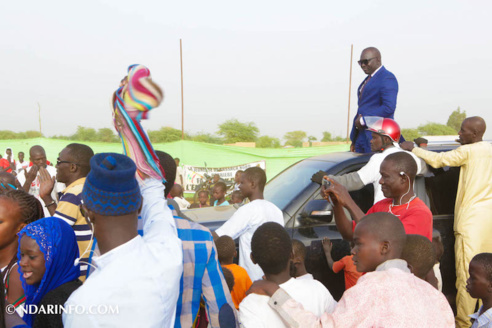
[(139, 278)]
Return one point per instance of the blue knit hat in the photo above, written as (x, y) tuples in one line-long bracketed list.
[(111, 187)]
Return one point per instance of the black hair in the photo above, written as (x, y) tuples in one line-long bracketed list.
[(226, 247), (299, 249), (169, 165), (203, 191), (222, 186), (229, 277), (81, 155), (271, 247), (30, 206), (21, 152), (385, 227), (403, 162), (485, 261), (420, 254), (237, 193), (257, 175)]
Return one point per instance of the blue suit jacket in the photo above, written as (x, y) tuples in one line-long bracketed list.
[(377, 99)]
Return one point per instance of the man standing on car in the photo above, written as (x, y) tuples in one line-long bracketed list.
[(472, 222), (377, 97)]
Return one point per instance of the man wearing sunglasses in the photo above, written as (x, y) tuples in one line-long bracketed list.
[(377, 97), (72, 168)]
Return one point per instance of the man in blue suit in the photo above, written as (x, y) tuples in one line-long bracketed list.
[(377, 97)]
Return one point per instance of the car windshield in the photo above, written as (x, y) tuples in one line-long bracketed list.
[(282, 189)]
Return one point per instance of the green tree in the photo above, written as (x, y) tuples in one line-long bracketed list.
[(206, 137), (295, 138), (410, 134), (455, 119), (106, 135), (234, 131), (326, 136), (84, 134), (268, 142), (435, 129), (165, 134)]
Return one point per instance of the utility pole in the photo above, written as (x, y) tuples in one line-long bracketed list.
[(350, 89), (39, 114), (182, 97)]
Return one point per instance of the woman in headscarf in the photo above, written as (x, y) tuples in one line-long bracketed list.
[(47, 253)]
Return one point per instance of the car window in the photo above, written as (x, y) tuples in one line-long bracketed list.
[(287, 185), (441, 186)]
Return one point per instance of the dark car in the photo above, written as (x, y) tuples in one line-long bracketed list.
[(309, 218)]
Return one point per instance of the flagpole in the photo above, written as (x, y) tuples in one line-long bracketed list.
[(350, 89), (182, 97)]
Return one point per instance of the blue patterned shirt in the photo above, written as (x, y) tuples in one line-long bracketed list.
[(202, 277), (483, 320)]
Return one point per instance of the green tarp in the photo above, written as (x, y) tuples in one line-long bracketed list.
[(190, 152)]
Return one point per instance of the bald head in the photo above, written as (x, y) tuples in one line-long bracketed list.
[(477, 124), (374, 52), (385, 227), (472, 130), (37, 156)]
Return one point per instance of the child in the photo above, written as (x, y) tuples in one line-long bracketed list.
[(226, 250), (177, 194), (202, 200), (298, 268), (46, 256), (346, 264), (388, 295), (237, 197), (21, 164), (420, 256), (479, 285), (271, 248), (219, 194), (17, 209), (249, 217), (237, 179)]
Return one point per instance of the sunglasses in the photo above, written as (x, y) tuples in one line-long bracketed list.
[(365, 61), (58, 162)]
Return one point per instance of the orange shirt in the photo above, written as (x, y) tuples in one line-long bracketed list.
[(242, 282), (350, 272)]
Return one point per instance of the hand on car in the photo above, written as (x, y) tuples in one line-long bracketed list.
[(407, 145), (318, 177), (337, 192)]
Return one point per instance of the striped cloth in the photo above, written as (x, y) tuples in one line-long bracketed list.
[(131, 103), (202, 277), (68, 210)]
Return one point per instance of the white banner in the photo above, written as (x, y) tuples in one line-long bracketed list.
[(193, 176)]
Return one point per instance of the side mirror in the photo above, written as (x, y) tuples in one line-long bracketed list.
[(318, 209)]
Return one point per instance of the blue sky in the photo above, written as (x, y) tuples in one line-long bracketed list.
[(281, 64)]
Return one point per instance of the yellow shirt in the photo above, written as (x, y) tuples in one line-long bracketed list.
[(474, 196)]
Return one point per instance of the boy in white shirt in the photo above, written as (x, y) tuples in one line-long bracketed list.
[(249, 217), (271, 248)]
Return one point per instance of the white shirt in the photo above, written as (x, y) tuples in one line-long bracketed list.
[(370, 172), (306, 276), (19, 167), (244, 223), (140, 278), (34, 189), (254, 310), (179, 176), (182, 203)]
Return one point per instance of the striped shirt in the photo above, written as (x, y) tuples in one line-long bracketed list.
[(202, 277), (483, 320), (68, 210)]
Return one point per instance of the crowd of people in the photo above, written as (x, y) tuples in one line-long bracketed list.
[(106, 231)]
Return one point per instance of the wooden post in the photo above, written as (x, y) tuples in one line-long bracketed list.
[(182, 98), (350, 89), (39, 114)]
